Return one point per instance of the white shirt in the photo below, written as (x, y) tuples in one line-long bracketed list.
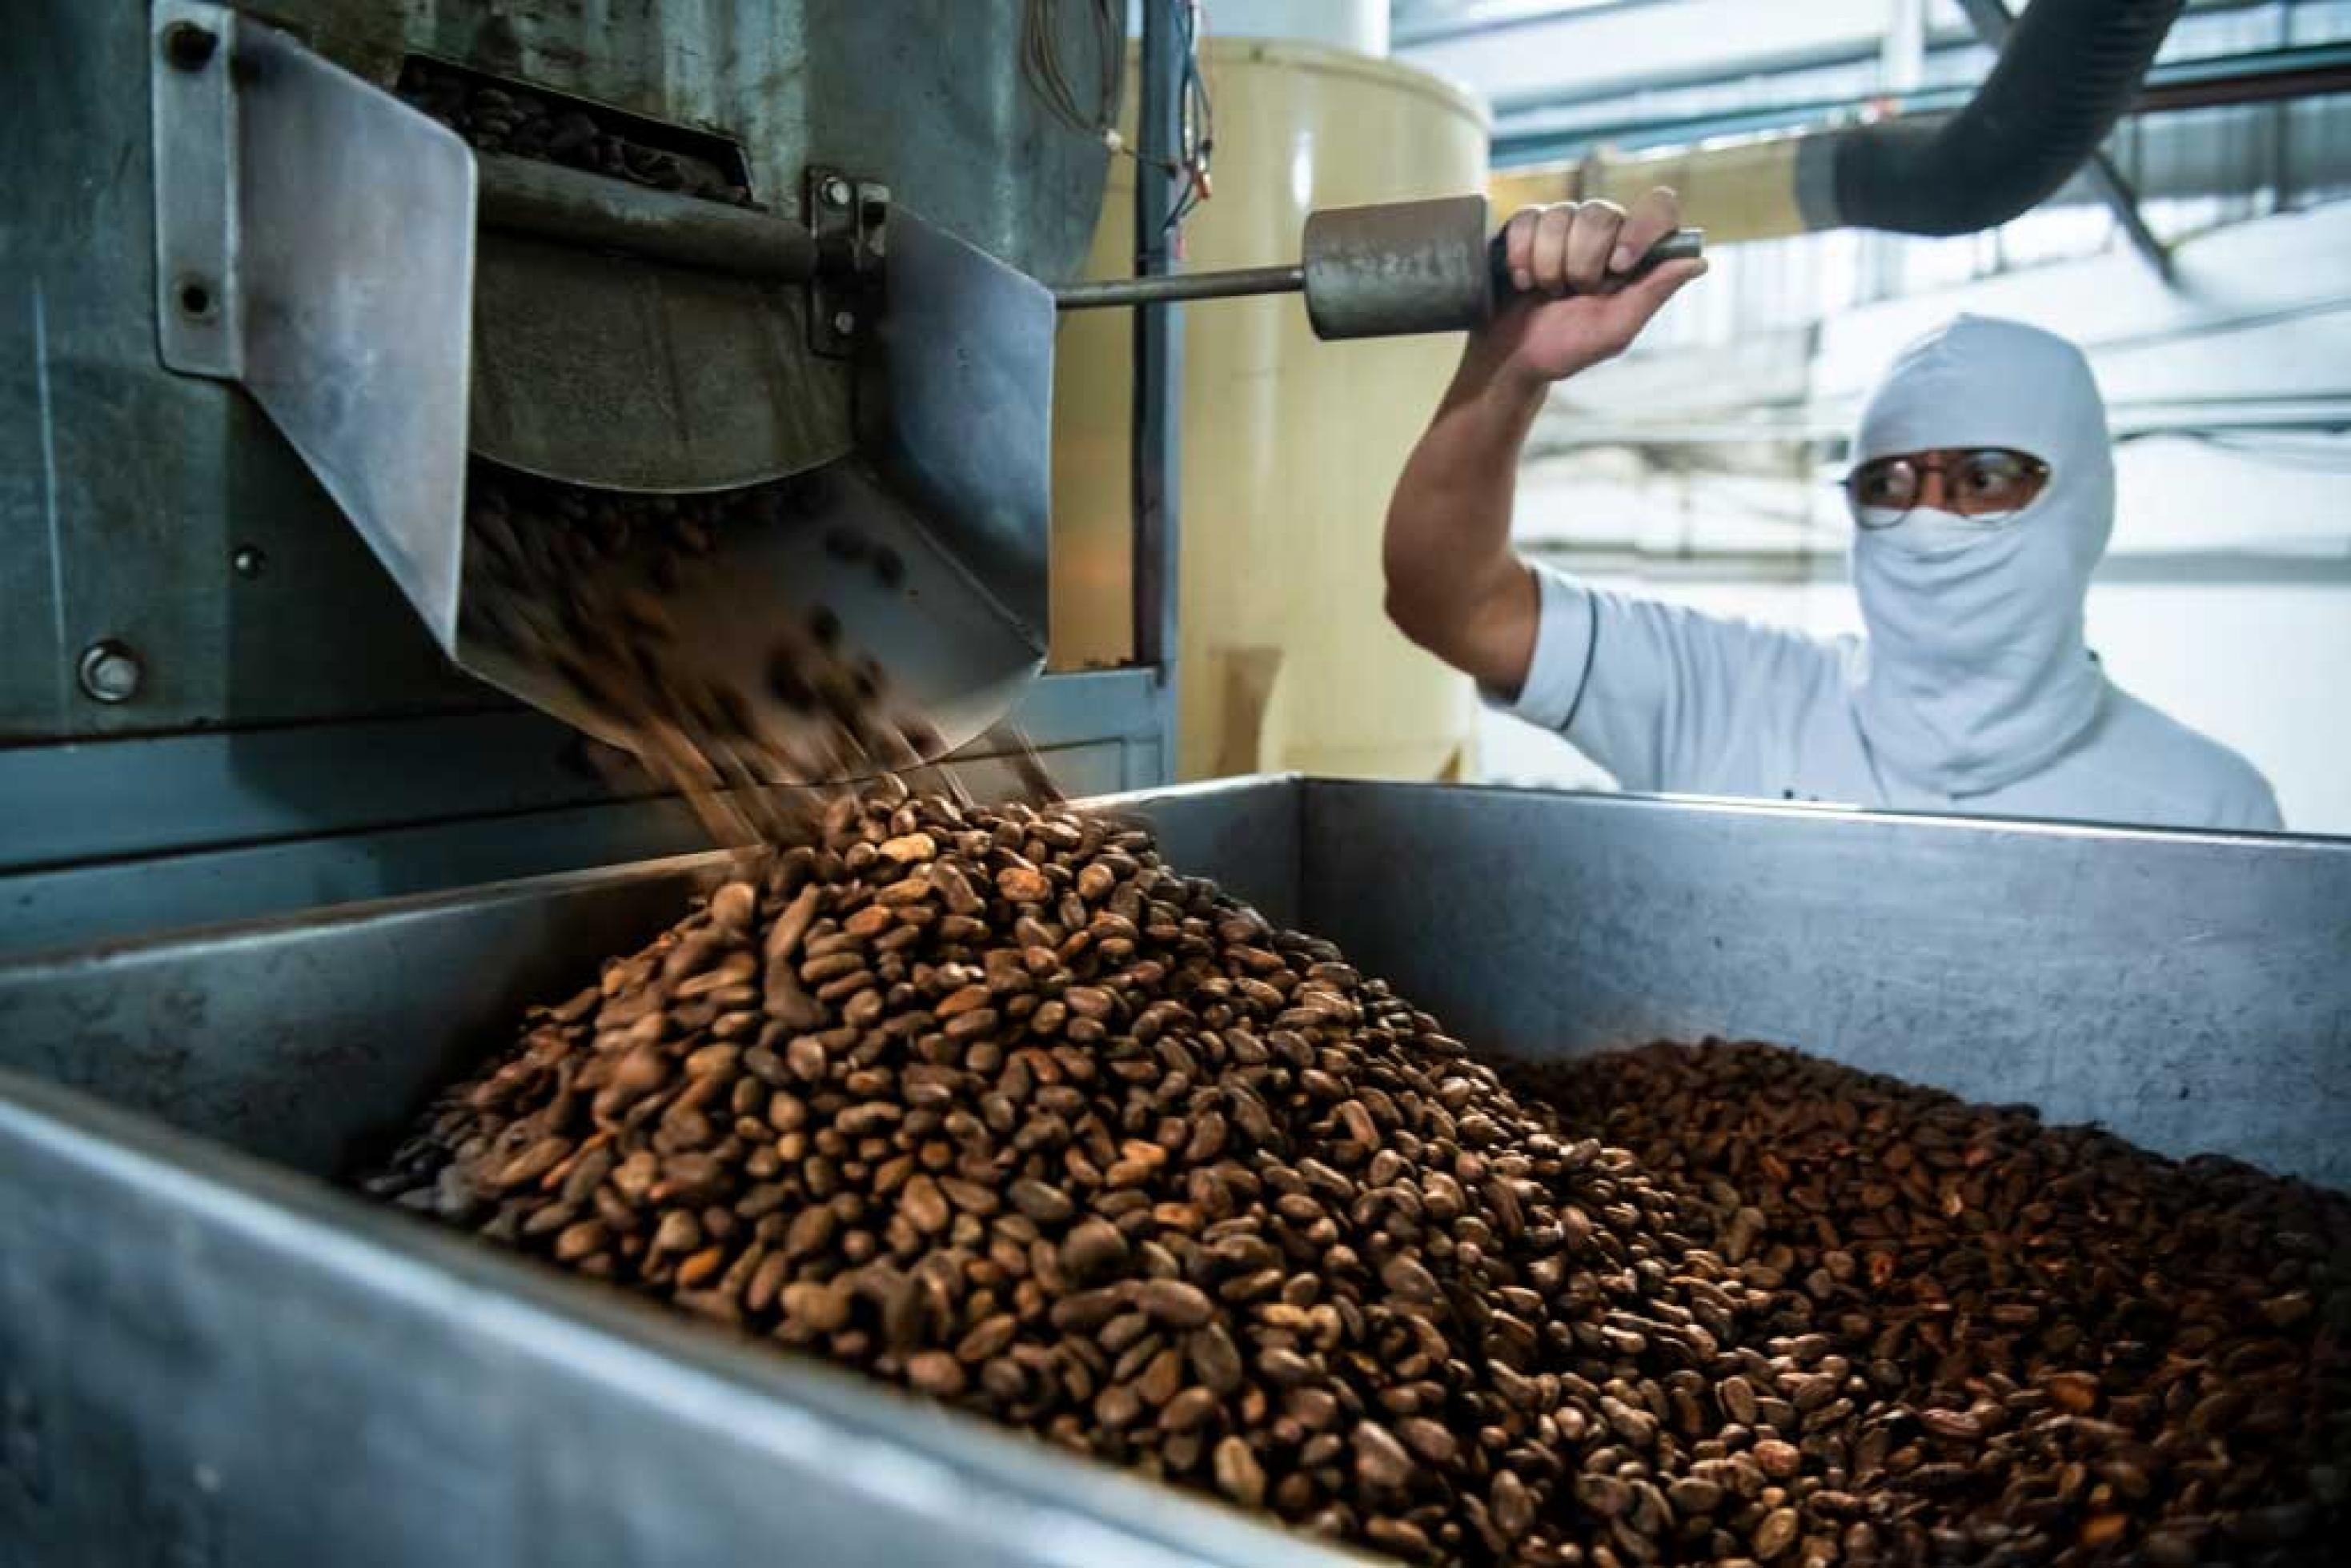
[(1672, 700)]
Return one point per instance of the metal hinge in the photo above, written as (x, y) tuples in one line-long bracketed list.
[(850, 218)]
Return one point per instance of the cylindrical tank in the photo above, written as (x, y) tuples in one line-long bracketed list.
[(1290, 446)]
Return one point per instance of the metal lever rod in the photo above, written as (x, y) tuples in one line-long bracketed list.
[(1407, 267), (1167, 287)]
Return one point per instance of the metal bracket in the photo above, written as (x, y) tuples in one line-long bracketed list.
[(850, 218), (199, 309), (314, 242)]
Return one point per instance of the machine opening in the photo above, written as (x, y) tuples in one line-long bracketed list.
[(503, 114)]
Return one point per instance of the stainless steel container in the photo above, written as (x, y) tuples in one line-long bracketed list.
[(208, 1355)]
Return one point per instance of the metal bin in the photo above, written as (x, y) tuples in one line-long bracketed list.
[(211, 1356)]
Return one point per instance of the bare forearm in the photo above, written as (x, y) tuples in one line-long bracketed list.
[(1454, 585)]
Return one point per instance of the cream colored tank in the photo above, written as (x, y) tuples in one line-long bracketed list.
[(1290, 445)]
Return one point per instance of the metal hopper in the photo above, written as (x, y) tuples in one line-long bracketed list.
[(399, 304)]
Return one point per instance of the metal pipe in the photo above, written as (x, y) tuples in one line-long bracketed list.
[(1155, 469), (2306, 71), (1167, 287), (528, 196), (1994, 23), (1529, 166), (2068, 71), (2013, 140)]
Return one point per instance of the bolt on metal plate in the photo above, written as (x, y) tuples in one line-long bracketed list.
[(109, 672), (849, 219)]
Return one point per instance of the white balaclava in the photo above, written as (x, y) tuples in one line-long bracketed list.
[(1976, 674)]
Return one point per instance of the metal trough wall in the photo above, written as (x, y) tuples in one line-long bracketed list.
[(209, 1359), (208, 1356), (2193, 991)]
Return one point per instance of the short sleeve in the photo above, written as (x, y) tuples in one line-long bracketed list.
[(1563, 654), (1666, 697)]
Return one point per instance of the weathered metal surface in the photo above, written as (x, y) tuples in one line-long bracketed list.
[(106, 841), (962, 416), (125, 491), (348, 272), (1174, 288), (298, 1039), (2191, 990), (1382, 271), (532, 196), (160, 517), (626, 374), (323, 260), (1398, 268), (632, 339), (205, 1361), (199, 293), (2186, 988), (926, 94)]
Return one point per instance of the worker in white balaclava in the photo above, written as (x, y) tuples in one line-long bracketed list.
[(1982, 493)]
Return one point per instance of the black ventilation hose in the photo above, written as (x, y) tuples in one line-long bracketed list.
[(2069, 70)]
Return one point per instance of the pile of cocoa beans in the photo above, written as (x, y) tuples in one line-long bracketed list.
[(992, 1103), (2043, 1344), (494, 117)]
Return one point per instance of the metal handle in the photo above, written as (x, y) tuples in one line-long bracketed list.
[(1682, 245), (1394, 269), (1379, 271)]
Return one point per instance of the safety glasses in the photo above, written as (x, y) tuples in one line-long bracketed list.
[(1986, 484)]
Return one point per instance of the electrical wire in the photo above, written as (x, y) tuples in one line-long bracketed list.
[(1196, 120), (1041, 63), (1093, 113)]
